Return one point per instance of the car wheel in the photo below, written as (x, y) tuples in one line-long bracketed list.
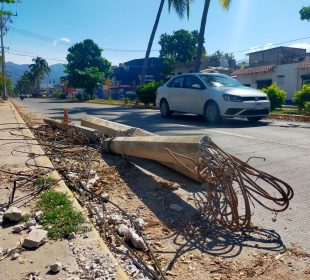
[(164, 109), (212, 113), (254, 119)]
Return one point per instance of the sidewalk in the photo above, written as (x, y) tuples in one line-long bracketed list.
[(84, 250)]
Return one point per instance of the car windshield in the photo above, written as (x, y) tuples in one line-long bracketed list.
[(219, 81)]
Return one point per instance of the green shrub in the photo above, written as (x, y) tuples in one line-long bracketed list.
[(126, 100), (302, 96), (60, 95), (276, 96), (147, 93), (307, 108)]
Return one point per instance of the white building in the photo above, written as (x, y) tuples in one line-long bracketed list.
[(288, 67), (289, 77)]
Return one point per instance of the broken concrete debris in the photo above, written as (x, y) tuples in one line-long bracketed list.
[(35, 239), (176, 207), (30, 223), (135, 239), (56, 267), (13, 214), (37, 215), (15, 256), (71, 235), (18, 228)]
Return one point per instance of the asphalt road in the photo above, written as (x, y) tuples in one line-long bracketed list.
[(284, 145)]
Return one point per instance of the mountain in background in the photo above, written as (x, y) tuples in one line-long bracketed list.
[(15, 71)]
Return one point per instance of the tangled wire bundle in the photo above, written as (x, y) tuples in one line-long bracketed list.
[(229, 181)]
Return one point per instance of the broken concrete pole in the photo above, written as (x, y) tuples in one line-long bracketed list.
[(113, 129), (13, 214), (35, 239), (88, 132), (175, 151)]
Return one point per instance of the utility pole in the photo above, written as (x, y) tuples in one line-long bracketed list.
[(4, 94), (4, 18)]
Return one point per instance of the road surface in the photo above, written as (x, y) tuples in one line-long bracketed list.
[(284, 145)]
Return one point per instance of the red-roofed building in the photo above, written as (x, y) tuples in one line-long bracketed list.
[(289, 72)]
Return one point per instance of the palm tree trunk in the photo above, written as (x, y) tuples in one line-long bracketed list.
[(149, 47), (201, 37)]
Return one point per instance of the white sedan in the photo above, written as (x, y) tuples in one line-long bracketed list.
[(213, 95)]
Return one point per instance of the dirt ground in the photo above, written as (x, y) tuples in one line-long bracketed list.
[(186, 245)]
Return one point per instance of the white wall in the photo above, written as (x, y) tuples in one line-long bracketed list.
[(290, 82)]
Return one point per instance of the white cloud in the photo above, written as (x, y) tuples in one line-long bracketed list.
[(302, 46), (62, 40)]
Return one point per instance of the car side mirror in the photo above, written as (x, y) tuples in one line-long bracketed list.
[(196, 86)]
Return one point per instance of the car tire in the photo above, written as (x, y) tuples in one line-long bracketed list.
[(212, 113), (254, 119), (164, 109)]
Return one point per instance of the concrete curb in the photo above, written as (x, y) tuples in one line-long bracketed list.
[(298, 118), (62, 187)]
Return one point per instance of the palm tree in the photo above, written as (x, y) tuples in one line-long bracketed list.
[(39, 69), (225, 4), (180, 6)]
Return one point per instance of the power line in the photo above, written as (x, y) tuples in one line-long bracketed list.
[(275, 44), (34, 56), (58, 41)]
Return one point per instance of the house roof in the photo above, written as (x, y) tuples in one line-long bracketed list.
[(304, 64), (254, 70)]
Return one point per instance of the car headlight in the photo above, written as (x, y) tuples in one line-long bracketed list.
[(232, 98)]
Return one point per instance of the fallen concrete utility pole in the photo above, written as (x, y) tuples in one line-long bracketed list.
[(113, 129), (231, 185), (168, 150)]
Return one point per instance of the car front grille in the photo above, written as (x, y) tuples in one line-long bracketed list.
[(255, 112), (254, 98), (232, 111)]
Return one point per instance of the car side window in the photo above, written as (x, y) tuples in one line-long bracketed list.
[(191, 80), (176, 82)]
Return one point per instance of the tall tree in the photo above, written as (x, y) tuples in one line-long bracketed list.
[(180, 7), (39, 69), (25, 84), (305, 13), (180, 47), (86, 67), (225, 4)]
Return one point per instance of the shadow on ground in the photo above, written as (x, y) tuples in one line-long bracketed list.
[(190, 229)]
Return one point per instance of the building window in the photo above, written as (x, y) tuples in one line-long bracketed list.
[(247, 85), (263, 83), (305, 79)]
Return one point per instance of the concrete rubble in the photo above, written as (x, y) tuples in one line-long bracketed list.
[(176, 207), (56, 267), (13, 214), (35, 239)]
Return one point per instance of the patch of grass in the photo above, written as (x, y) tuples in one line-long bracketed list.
[(59, 217), (45, 181), (288, 111), (107, 101)]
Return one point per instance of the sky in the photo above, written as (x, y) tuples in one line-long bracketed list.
[(122, 27)]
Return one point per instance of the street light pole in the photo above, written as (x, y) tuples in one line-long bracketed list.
[(4, 93)]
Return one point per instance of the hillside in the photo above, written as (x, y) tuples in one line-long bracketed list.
[(15, 71)]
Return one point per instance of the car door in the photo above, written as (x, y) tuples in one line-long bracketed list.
[(175, 93), (194, 95)]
